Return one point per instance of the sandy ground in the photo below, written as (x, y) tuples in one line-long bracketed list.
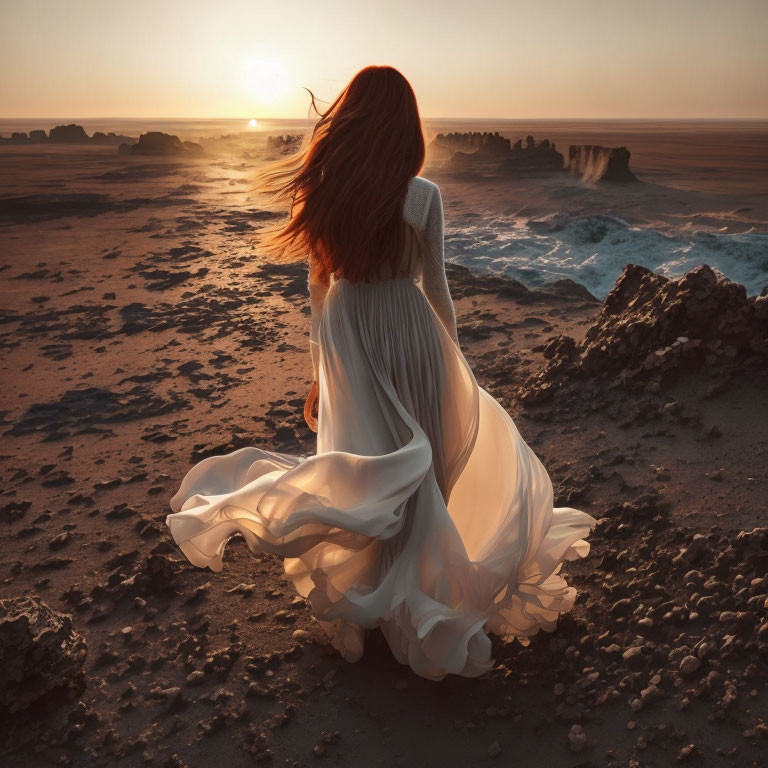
[(141, 331)]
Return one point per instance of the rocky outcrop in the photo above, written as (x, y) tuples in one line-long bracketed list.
[(111, 138), (67, 134), (494, 154), (651, 327), (484, 144), (158, 143), (284, 145), (593, 163), (532, 157), (41, 656)]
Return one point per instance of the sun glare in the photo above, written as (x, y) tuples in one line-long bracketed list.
[(252, 123), (267, 79)]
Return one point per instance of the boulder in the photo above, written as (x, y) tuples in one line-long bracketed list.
[(41, 656), (38, 136)]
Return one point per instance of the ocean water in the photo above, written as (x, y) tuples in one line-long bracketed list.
[(594, 249), (703, 198)]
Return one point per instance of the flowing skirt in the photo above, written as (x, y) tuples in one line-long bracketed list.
[(423, 512)]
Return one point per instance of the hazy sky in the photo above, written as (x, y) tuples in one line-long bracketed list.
[(473, 58)]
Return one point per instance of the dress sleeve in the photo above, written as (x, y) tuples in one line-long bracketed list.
[(318, 288), (433, 279)]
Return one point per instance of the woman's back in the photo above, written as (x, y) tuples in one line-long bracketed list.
[(416, 209), (422, 257)]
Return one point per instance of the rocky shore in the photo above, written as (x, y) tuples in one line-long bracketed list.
[(143, 332)]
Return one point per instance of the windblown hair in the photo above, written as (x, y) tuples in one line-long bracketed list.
[(348, 184)]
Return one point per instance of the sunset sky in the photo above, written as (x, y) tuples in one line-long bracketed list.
[(481, 58)]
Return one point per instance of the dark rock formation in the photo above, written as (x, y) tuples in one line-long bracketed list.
[(484, 144), (570, 289), (594, 163), (158, 143), (651, 326), (69, 134), (475, 151), (40, 654), (111, 138), (532, 157)]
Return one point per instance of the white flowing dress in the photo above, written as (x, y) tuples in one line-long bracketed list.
[(423, 511)]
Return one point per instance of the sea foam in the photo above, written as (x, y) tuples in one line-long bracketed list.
[(593, 250)]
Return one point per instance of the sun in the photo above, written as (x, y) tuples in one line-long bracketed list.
[(252, 123), (267, 79)]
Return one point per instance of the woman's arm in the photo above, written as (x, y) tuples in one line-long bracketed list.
[(433, 279), (318, 289)]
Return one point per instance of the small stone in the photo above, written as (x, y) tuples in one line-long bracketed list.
[(689, 665), (577, 738), (649, 693), (59, 541), (196, 677), (633, 656), (495, 749), (687, 752)]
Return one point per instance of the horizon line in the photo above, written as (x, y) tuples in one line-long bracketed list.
[(309, 119)]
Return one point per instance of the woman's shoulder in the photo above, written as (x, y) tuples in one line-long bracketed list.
[(419, 198), (423, 183)]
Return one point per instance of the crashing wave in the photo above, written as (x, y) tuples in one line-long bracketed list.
[(593, 250)]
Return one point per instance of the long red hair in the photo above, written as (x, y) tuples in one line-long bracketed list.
[(347, 186)]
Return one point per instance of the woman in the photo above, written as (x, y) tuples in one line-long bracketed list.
[(423, 512)]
